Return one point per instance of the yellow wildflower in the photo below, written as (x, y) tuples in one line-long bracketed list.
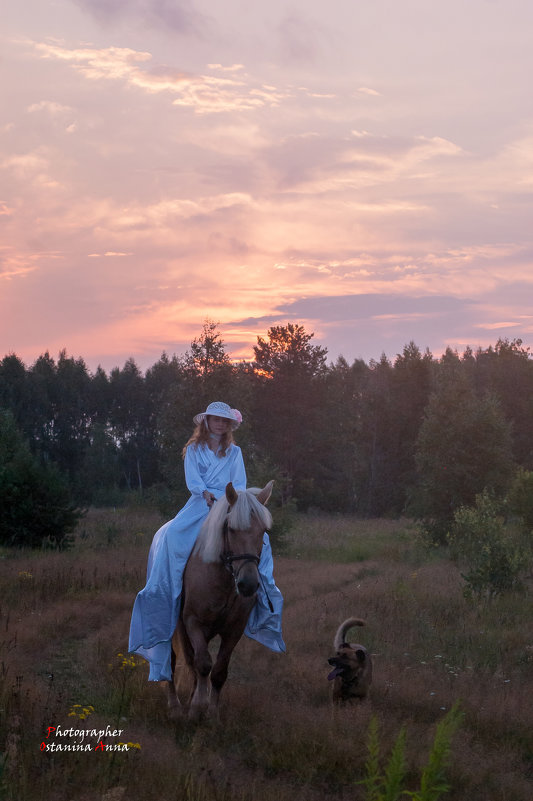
[(81, 712), (127, 662)]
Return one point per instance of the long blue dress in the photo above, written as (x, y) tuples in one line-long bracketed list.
[(156, 609)]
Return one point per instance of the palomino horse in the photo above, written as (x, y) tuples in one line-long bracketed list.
[(220, 582)]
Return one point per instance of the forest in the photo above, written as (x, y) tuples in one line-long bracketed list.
[(414, 435)]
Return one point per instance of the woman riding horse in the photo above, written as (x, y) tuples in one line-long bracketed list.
[(212, 460)]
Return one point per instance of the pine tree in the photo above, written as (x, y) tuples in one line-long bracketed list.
[(289, 407)]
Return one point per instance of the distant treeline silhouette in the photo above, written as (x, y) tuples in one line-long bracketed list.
[(413, 435)]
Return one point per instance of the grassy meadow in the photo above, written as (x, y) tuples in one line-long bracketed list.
[(64, 620)]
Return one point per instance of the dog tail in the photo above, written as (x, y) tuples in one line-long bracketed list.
[(340, 636)]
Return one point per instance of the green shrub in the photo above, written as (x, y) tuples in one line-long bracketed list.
[(520, 498), (493, 559)]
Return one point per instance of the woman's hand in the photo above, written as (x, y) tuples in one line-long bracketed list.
[(209, 498)]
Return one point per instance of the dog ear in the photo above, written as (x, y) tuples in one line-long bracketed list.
[(360, 654)]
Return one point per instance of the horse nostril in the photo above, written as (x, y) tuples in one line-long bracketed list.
[(247, 588)]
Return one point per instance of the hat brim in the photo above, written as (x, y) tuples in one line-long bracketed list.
[(197, 419)]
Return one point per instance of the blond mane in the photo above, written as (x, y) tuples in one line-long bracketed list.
[(209, 544)]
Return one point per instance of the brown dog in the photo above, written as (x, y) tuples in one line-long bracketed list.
[(352, 666)]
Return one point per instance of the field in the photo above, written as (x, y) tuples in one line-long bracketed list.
[(64, 621)]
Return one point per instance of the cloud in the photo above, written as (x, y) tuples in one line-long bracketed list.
[(511, 291), (230, 68), (16, 272), (15, 264), (204, 93), (495, 326), (375, 306), (320, 164), (107, 254), (50, 106), (299, 39), (369, 324), (59, 113), (25, 163), (33, 168), (364, 90), (165, 214), (176, 16)]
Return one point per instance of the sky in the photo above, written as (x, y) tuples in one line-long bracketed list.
[(364, 169)]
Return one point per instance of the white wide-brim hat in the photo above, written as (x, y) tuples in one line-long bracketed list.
[(220, 409)]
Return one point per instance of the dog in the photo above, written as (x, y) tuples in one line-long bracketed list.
[(352, 666)]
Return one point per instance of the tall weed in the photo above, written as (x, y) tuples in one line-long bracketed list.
[(388, 783)]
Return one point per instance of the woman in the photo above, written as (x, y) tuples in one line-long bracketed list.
[(211, 460)]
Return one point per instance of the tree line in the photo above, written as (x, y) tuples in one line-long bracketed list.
[(414, 435)]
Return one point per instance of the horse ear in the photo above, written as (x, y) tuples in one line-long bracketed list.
[(264, 496), (231, 493)]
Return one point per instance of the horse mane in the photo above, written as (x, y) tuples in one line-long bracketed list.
[(209, 543)]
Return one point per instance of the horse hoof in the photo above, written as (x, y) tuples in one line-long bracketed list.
[(196, 713)]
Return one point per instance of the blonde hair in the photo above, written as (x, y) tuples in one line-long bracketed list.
[(200, 436)]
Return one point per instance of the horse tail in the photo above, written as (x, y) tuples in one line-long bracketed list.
[(340, 636)]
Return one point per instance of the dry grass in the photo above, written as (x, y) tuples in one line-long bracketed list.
[(64, 621)]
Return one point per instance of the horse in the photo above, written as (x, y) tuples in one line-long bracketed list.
[(220, 582)]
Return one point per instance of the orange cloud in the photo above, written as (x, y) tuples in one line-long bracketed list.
[(203, 93)]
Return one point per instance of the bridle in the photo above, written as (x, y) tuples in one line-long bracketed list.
[(229, 558)]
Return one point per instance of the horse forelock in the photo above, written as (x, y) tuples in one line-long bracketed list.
[(246, 507), (210, 541)]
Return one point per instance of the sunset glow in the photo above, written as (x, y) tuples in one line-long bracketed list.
[(365, 170)]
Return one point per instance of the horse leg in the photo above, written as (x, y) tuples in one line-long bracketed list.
[(201, 664), (173, 702), (188, 654), (219, 673)]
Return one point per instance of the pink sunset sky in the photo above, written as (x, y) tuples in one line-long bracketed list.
[(362, 168)]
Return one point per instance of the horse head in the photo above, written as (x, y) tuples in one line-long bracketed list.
[(246, 520)]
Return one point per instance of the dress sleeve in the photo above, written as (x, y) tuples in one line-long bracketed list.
[(238, 471), (193, 479)]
